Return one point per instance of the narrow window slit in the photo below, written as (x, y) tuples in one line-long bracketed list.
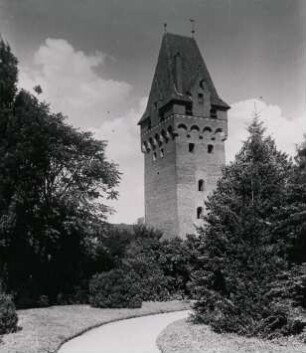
[(191, 147)]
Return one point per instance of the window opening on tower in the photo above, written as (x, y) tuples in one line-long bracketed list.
[(201, 185), (200, 98), (213, 113), (199, 212), (191, 147), (210, 148), (188, 109)]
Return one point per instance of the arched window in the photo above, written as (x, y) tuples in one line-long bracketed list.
[(154, 157), (201, 185), (199, 212)]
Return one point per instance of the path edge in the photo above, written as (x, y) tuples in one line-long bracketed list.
[(65, 340)]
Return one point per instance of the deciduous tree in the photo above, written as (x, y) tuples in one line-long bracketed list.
[(54, 180)]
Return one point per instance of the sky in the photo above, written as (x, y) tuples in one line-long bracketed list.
[(95, 60)]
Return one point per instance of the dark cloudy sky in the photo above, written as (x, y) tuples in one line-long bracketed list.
[(95, 61)]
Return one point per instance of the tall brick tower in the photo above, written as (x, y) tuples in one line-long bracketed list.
[(183, 130)]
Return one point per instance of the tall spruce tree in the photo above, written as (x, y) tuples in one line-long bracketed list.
[(242, 245), (292, 283), (297, 203)]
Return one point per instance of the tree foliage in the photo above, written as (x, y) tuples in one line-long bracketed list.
[(8, 315), (290, 285), (161, 269), (163, 266), (243, 243), (53, 181), (114, 289)]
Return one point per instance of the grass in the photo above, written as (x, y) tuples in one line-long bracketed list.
[(46, 329), (184, 337)]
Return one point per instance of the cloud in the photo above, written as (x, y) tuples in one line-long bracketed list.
[(122, 134), (71, 84), (286, 132)]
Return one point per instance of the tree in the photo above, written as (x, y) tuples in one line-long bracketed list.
[(243, 247), (142, 257), (292, 283), (53, 183), (162, 267), (297, 204), (8, 76)]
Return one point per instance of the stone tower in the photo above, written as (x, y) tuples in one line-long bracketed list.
[(183, 130)]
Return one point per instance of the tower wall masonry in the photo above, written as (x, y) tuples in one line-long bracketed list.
[(172, 171)]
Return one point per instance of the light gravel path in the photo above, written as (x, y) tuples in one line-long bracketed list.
[(137, 335)]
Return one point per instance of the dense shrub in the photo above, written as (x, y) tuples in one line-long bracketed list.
[(163, 267), (142, 258), (43, 301), (279, 320), (264, 319), (8, 315), (114, 289)]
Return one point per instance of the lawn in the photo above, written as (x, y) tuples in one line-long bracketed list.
[(185, 337), (45, 329)]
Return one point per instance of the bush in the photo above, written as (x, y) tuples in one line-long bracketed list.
[(278, 321), (221, 313), (8, 315), (114, 289), (163, 267), (43, 301), (264, 319)]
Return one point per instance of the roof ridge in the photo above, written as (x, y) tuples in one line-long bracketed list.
[(178, 35)]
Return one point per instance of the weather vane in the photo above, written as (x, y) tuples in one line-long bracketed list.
[(192, 21)]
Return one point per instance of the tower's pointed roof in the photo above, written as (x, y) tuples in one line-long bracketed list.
[(163, 87)]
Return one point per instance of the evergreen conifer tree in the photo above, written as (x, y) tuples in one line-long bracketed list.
[(290, 285), (242, 246)]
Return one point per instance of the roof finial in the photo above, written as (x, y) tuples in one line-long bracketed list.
[(165, 27), (192, 21)]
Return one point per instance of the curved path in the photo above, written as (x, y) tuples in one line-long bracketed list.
[(137, 335)]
